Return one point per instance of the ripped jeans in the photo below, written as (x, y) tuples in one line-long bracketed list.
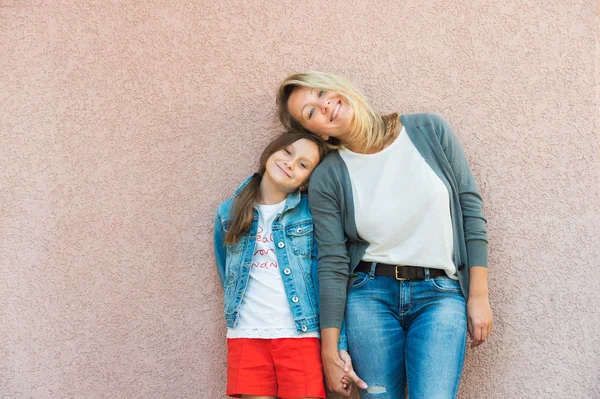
[(407, 334)]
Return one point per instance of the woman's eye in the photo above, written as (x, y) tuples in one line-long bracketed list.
[(311, 113), (320, 93)]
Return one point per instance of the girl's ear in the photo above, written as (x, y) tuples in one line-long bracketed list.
[(303, 187)]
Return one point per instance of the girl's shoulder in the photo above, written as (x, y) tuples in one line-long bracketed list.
[(224, 208)]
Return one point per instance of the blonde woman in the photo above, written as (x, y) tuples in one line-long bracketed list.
[(401, 238)]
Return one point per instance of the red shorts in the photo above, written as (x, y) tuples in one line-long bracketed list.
[(282, 367)]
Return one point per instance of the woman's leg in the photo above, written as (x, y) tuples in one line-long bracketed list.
[(375, 337), (436, 338)]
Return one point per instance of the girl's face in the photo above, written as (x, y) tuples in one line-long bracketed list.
[(291, 166), (325, 113)]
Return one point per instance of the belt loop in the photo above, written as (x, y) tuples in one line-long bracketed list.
[(426, 273), (372, 272)]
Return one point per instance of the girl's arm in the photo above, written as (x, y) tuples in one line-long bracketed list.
[(219, 238)]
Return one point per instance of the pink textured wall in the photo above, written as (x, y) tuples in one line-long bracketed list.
[(124, 123)]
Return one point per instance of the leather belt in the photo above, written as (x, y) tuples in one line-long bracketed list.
[(399, 272)]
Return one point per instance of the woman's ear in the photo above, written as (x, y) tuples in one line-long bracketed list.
[(323, 137)]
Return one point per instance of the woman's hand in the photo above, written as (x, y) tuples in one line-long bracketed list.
[(479, 311), (350, 375), (479, 320), (339, 373)]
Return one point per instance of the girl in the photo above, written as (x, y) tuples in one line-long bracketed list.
[(266, 261), (401, 238)]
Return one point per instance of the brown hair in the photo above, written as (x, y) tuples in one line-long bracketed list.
[(241, 210), (368, 127)]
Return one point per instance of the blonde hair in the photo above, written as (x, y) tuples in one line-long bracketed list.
[(368, 127)]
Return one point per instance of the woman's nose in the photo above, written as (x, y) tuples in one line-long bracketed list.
[(325, 105)]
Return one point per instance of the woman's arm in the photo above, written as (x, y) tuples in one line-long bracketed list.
[(333, 274), (479, 312)]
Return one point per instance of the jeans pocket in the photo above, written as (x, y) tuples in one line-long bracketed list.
[(361, 280), (445, 284)]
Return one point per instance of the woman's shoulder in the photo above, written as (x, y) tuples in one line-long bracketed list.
[(327, 169), (416, 120)]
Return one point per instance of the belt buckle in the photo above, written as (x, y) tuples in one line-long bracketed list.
[(400, 278)]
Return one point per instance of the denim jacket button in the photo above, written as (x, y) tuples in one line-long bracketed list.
[(295, 299), (287, 271), (304, 328), (299, 231), (281, 244)]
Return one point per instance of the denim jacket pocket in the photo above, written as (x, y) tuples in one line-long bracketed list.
[(300, 235)]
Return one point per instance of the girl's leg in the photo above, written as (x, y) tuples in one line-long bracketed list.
[(375, 336), (250, 368), (435, 339), (298, 368)]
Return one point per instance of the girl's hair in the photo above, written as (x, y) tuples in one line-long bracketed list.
[(368, 127), (241, 210)]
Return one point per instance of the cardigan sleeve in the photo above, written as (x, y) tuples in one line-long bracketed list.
[(333, 269), (471, 203)]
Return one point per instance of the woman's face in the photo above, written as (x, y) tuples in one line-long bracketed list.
[(325, 113)]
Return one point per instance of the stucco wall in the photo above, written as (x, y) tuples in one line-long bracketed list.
[(124, 123)]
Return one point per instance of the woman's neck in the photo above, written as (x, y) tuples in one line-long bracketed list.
[(360, 148)]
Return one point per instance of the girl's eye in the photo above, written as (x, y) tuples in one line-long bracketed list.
[(302, 165), (287, 151), (311, 113), (320, 93)]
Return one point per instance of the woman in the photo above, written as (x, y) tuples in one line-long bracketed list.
[(401, 238)]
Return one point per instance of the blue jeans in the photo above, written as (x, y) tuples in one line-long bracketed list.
[(407, 334)]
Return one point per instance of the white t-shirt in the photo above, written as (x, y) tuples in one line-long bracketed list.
[(401, 207), (264, 311)]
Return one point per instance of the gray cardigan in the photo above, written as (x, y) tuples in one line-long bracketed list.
[(332, 207)]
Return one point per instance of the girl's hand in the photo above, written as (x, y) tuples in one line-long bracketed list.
[(350, 373), (479, 319), (337, 378)]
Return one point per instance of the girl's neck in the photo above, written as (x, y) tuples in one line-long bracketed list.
[(269, 194)]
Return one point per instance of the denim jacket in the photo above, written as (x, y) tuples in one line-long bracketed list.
[(296, 254)]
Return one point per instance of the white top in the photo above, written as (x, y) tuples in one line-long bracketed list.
[(264, 311), (401, 207)]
